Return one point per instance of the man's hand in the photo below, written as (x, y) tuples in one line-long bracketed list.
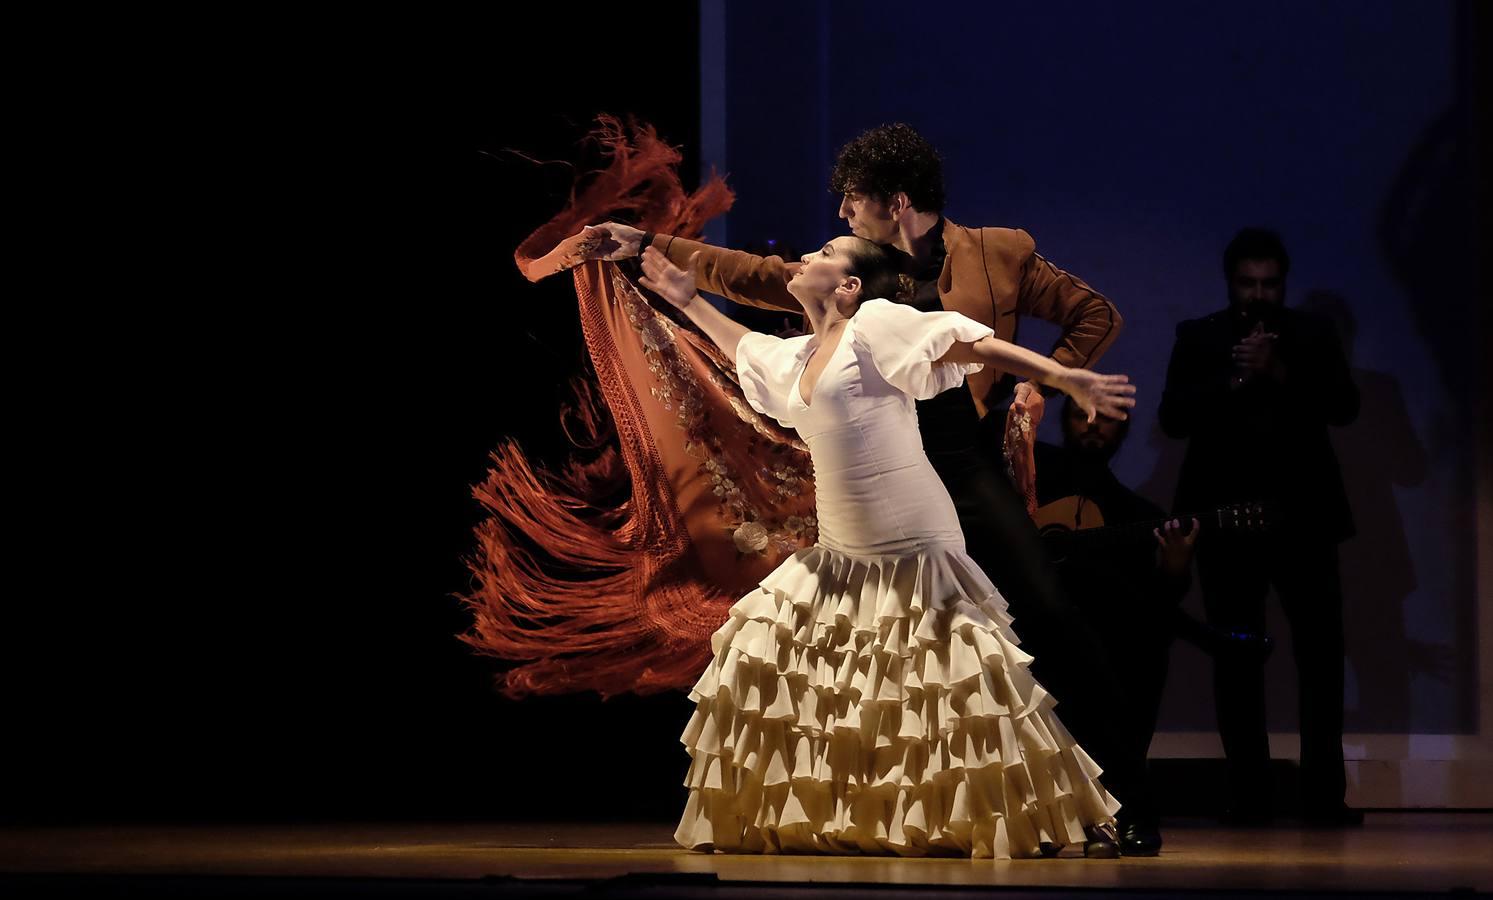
[(1174, 546), (1255, 355), (667, 280), (1022, 418), (1028, 401), (617, 241)]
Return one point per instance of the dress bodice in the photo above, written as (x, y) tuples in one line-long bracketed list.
[(875, 489)]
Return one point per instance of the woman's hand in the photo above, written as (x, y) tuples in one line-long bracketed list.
[(678, 287), (1098, 395), (667, 280), (612, 241)]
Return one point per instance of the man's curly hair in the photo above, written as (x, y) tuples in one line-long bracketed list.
[(888, 159)]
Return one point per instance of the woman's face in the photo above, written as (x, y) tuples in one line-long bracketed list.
[(825, 273)]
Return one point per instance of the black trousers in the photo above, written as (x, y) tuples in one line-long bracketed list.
[(1136, 629), (1235, 573), (1069, 659)]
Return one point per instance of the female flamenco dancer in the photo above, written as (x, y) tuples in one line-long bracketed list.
[(869, 695)]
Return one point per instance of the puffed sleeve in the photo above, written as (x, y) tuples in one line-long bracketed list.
[(904, 344), (767, 366)]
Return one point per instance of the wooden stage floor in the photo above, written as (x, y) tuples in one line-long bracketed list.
[(1394, 853)]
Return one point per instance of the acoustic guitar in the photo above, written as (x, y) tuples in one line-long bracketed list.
[(1074, 524)]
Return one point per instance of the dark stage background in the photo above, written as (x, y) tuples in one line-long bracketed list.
[(255, 512), (1133, 141), (249, 550)]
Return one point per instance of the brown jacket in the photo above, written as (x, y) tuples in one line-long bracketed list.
[(992, 275)]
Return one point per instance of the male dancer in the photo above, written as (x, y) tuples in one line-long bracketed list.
[(891, 183)]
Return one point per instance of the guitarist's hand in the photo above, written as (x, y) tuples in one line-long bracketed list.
[(1174, 544)]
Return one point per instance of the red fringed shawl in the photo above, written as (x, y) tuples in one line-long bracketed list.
[(585, 591), (622, 595)]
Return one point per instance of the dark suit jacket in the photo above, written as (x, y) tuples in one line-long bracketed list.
[(1266, 440)]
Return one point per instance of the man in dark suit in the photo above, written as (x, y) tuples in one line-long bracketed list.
[(1253, 389)]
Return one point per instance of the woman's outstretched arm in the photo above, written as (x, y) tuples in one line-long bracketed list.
[(677, 286), (1095, 394)]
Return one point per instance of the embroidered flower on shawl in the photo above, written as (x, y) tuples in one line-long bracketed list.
[(751, 537), (655, 334)]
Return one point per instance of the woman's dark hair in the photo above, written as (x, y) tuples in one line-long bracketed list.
[(889, 159), (1255, 243), (875, 267)]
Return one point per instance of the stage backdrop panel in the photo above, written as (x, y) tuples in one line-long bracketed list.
[(1133, 140)]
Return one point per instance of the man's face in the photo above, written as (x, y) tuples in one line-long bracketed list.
[(868, 217), (1101, 437), (1257, 281)]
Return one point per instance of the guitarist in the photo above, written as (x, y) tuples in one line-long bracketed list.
[(1129, 590), (1253, 389)]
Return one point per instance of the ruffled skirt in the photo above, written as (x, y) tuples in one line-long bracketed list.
[(880, 705)]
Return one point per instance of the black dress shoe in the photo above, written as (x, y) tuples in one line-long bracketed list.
[(1140, 839), (1049, 849), (1102, 842), (1340, 816)]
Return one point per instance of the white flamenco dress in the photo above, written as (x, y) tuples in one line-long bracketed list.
[(870, 696)]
